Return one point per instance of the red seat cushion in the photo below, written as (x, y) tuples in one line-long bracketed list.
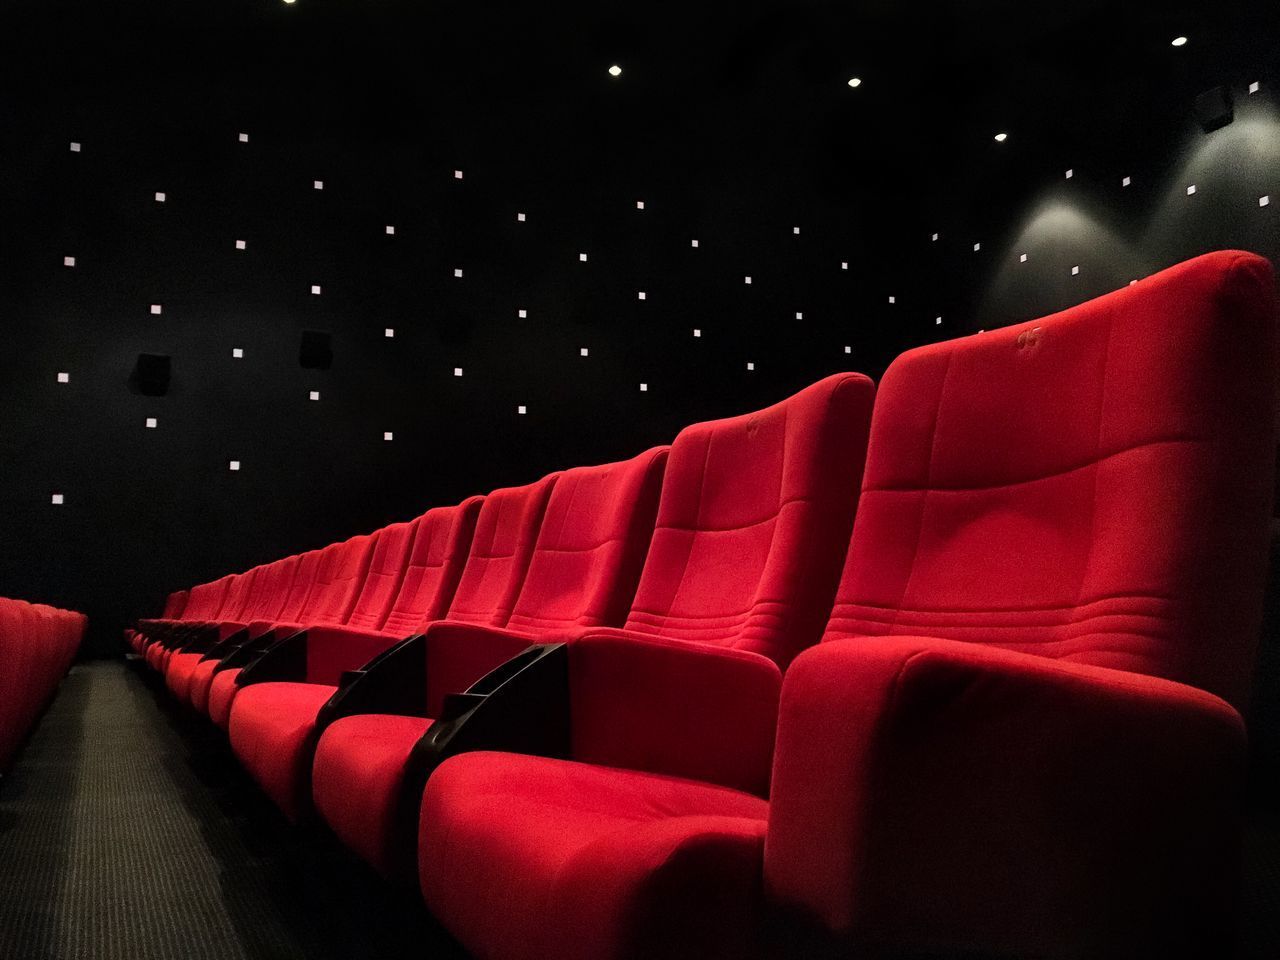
[(272, 732), (177, 675), (526, 857), (199, 684), (357, 781), (222, 691)]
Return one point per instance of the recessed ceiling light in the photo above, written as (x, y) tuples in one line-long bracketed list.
[(1179, 41), (1001, 137), (855, 81), (615, 71)]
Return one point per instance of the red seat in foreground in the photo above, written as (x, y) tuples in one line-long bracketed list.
[(1003, 748)]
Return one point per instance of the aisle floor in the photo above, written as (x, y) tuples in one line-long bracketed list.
[(128, 832)]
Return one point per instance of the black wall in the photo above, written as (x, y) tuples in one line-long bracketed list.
[(733, 125)]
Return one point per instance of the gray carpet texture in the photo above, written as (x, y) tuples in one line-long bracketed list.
[(127, 832)]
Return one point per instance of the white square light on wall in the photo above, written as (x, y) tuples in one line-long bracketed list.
[(457, 174), (156, 309), (457, 272), (522, 314), (750, 365), (1075, 271), (848, 349), (639, 204), (844, 264), (697, 331), (64, 378), (391, 231), (747, 279), (457, 371), (313, 395), (1022, 258), (56, 499), (240, 244), (583, 351), (75, 147), (1253, 87), (244, 138), (237, 352), (693, 243), (160, 196), (68, 261), (1070, 174), (934, 238), (937, 321), (977, 247), (388, 435), (1126, 181), (799, 314), (317, 184), (644, 388), (520, 218), (893, 299), (641, 294), (1264, 201), (1191, 189), (315, 289), (795, 231), (389, 332), (522, 409), (582, 258), (233, 465), (151, 423)]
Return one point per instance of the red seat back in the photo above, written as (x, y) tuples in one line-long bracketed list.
[(754, 523), (206, 599), (591, 545), (270, 588), (305, 571), (339, 577), (386, 571), (1094, 486), (436, 558)]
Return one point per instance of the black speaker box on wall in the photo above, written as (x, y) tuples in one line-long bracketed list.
[(151, 374)]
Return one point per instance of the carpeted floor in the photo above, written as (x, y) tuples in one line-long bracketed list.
[(127, 832)]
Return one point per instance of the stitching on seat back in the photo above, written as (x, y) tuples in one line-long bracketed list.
[(754, 522), (591, 545), (1092, 486), (439, 548)]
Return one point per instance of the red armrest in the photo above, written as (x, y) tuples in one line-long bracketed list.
[(673, 707), (931, 795), (333, 650), (459, 654)]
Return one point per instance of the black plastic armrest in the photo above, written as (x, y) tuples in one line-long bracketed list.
[(233, 641), (520, 707), (285, 661), (395, 681), (247, 652)]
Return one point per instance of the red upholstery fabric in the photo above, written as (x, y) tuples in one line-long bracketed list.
[(179, 673), (526, 858), (357, 779), (301, 584), (332, 650), (222, 691), (674, 707), (338, 581), (266, 597), (939, 796), (174, 605), (199, 683), (1117, 513), (236, 599), (386, 571), (501, 546), (459, 654), (754, 523), (271, 729), (591, 545), (436, 558), (37, 645)]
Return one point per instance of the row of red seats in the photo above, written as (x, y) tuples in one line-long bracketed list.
[(37, 645), (713, 701)]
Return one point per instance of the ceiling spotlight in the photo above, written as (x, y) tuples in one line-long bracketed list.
[(855, 81), (615, 71), (1001, 137), (1179, 41)]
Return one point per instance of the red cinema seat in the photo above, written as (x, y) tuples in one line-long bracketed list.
[(234, 598), (173, 607), (582, 573), (340, 571), (264, 602), (273, 722), (1014, 740), (203, 604), (672, 718)]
